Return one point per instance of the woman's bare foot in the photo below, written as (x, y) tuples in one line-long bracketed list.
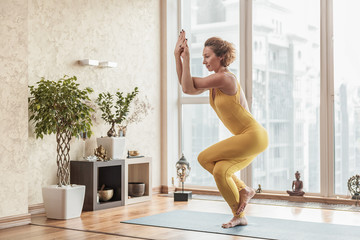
[(236, 221), (245, 195)]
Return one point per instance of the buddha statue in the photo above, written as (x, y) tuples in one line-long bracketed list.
[(297, 186)]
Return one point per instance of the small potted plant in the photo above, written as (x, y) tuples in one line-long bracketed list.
[(114, 112), (58, 107)]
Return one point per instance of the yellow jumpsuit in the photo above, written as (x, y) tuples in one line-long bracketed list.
[(225, 158)]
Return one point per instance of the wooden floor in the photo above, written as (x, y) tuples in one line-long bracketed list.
[(105, 224)]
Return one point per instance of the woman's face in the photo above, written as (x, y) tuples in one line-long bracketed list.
[(211, 61)]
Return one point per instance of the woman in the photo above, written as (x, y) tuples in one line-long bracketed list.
[(224, 158)]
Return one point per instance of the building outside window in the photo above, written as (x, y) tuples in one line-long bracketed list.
[(286, 92), (347, 92)]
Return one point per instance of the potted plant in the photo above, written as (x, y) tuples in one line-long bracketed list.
[(58, 107), (114, 112)]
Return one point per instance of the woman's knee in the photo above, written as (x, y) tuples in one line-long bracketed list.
[(219, 171), (202, 158)]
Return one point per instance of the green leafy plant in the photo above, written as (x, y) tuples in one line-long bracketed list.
[(121, 105), (59, 107)]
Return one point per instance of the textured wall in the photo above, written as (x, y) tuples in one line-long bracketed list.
[(58, 34), (127, 32), (13, 107)]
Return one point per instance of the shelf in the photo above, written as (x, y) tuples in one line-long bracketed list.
[(138, 199), (138, 170), (93, 175), (108, 64), (115, 174), (108, 204), (89, 62)]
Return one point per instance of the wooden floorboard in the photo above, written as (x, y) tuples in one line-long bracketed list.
[(105, 224)]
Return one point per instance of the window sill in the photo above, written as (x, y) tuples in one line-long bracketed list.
[(277, 196)]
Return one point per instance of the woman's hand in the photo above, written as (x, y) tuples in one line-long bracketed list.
[(185, 54), (179, 47)]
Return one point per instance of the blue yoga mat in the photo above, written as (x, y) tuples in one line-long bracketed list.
[(258, 227)]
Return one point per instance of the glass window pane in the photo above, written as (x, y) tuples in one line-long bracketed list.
[(201, 129), (286, 92), (202, 19), (347, 92)]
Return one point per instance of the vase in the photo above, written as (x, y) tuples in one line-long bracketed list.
[(63, 202), (114, 146), (112, 131)]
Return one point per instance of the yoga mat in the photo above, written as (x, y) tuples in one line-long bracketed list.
[(258, 227)]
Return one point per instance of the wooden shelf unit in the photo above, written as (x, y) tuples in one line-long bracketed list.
[(93, 175), (138, 170), (115, 174)]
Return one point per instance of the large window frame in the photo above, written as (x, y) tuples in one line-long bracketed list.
[(173, 130)]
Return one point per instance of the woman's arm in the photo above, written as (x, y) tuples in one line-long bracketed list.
[(215, 80), (178, 67), (179, 48), (196, 85), (187, 81)]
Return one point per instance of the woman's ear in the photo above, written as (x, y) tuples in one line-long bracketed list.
[(221, 59)]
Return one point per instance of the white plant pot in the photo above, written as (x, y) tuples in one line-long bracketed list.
[(63, 202), (114, 146)]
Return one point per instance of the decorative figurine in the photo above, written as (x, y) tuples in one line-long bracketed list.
[(297, 186), (354, 186), (122, 131), (259, 190), (100, 152), (182, 171), (134, 154)]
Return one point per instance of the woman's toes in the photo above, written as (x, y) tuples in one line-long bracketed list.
[(226, 225)]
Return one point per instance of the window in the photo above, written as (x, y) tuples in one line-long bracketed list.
[(291, 110), (346, 89), (283, 87), (201, 128)]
